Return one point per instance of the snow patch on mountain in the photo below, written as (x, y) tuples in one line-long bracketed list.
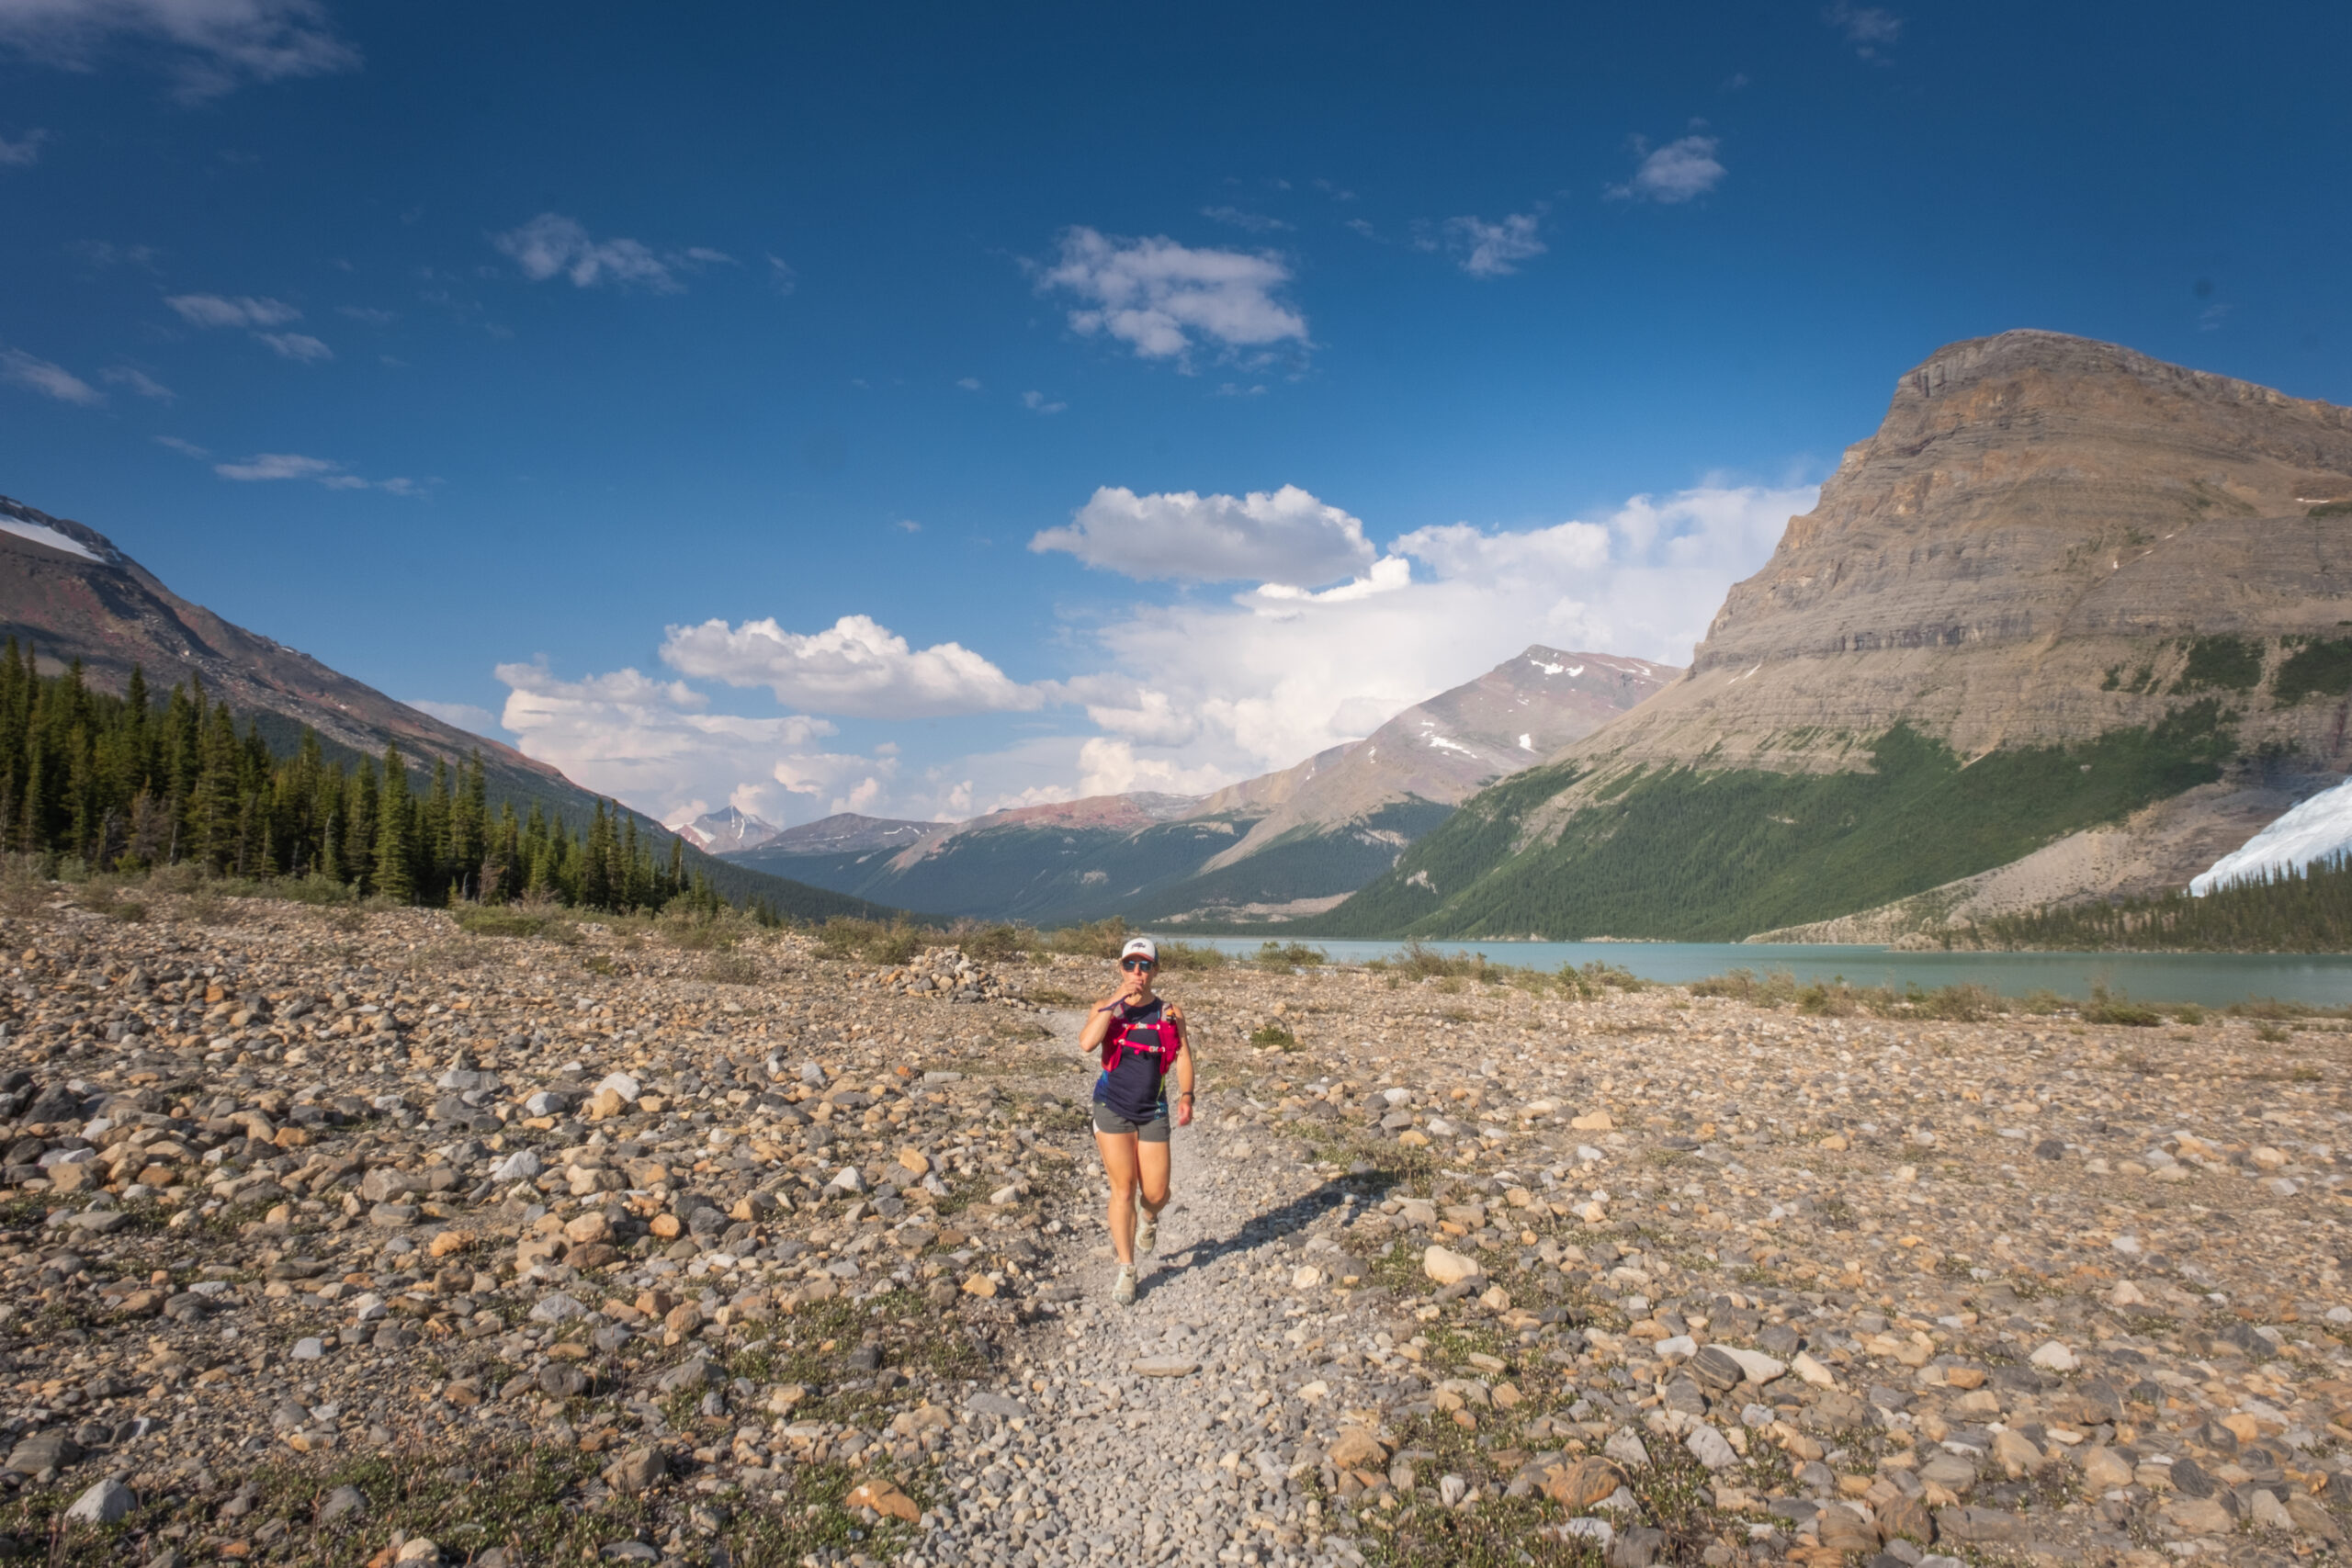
[(2318, 828), (41, 534)]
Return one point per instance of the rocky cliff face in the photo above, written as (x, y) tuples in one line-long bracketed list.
[(2022, 554), (2071, 612)]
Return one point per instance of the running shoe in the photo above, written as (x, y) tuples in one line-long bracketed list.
[(1124, 1292), (1148, 1233)]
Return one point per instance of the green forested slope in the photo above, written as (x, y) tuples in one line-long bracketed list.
[(1698, 854)]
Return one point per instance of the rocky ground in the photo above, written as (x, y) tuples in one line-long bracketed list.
[(355, 1237)]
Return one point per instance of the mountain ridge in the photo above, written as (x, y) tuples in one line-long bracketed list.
[(1283, 844)]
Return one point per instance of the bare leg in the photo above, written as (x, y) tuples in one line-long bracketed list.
[(1119, 1165), (1151, 1160)]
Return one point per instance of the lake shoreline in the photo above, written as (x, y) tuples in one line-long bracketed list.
[(2210, 980)]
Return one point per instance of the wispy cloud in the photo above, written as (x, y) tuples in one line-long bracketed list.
[(1038, 402), (780, 275), (1162, 299), (24, 152), (22, 369), (183, 447), (210, 46), (224, 311), (1869, 29), (269, 466), (1677, 172), (104, 254), (1494, 250), (367, 314), (553, 245), (139, 381), (1255, 222), (300, 347), (969, 383)]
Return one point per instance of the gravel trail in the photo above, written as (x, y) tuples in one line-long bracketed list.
[(1080, 1455)]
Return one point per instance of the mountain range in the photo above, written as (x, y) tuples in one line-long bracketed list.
[(2072, 622), (1275, 849), (70, 594)]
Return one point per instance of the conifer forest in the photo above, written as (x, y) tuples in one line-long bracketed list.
[(126, 784)]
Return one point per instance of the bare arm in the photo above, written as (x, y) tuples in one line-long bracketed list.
[(1098, 1025), (1183, 1067)]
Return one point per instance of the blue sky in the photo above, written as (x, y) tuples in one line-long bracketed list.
[(921, 409)]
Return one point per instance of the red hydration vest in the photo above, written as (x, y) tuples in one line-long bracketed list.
[(1136, 1059)]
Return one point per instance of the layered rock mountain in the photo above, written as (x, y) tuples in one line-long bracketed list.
[(68, 593), (2065, 590), (1272, 848)]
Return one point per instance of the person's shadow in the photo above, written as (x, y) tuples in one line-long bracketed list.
[(1270, 1228)]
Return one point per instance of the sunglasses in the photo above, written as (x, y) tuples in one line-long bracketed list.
[(1138, 965)]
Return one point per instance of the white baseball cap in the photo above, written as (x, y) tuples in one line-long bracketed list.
[(1139, 946)]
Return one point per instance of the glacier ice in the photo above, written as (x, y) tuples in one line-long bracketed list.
[(2317, 828)]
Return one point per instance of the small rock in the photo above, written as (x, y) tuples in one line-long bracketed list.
[(2197, 1515), (342, 1503), (53, 1449), (1716, 1369), (1164, 1367), (1711, 1448), (636, 1469), (1625, 1447), (104, 1504), (2055, 1356), (1448, 1268), (1579, 1485)]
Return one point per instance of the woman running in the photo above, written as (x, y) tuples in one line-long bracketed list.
[(1139, 1035)]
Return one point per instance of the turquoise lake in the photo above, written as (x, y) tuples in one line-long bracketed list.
[(2208, 979)]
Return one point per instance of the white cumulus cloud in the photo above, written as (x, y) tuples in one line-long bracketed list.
[(49, 381), (856, 666), (1494, 250), (1281, 536), (1677, 172), (1162, 299), (1275, 674), (211, 46), (654, 744)]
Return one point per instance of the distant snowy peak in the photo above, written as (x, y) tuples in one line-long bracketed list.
[(2318, 828), (721, 832)]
